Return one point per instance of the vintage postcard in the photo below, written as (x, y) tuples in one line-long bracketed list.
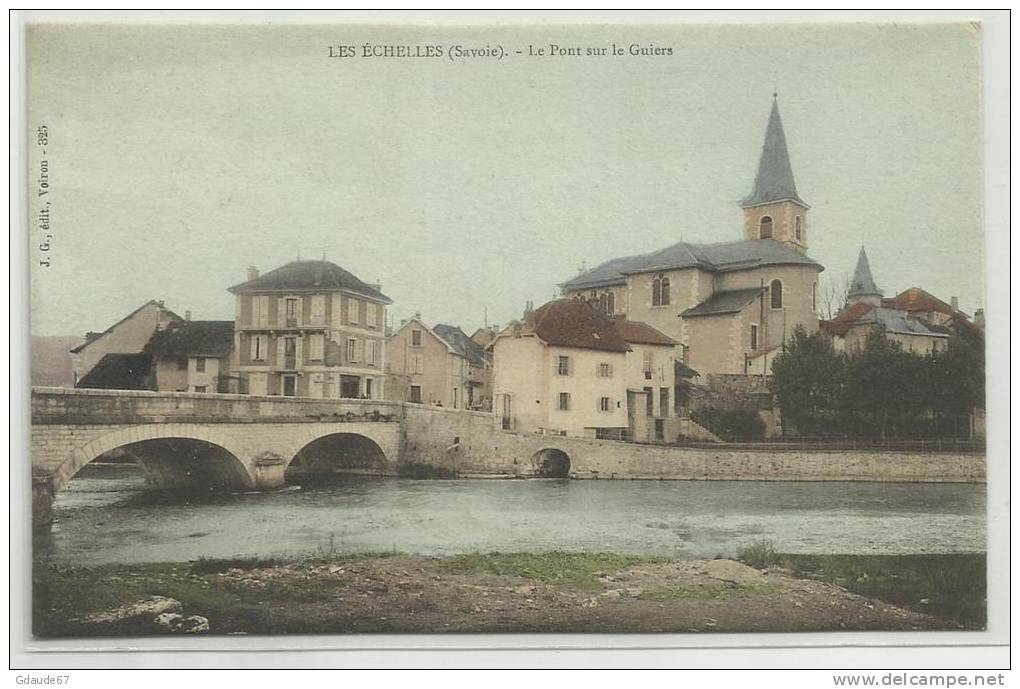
[(348, 328)]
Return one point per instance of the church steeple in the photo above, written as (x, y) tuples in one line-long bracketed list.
[(862, 286), (773, 209)]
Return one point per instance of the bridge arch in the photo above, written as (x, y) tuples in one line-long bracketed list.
[(551, 462), (337, 452), (173, 455)]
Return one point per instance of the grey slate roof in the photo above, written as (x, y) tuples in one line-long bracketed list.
[(898, 322), (461, 343), (862, 283), (728, 301), (774, 181), (721, 257), (193, 338), (308, 276), (119, 372)]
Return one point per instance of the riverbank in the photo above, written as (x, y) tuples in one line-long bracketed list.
[(514, 592)]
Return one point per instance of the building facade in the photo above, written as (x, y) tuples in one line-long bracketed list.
[(194, 356), (310, 329), (569, 369), (438, 366), (730, 305), (129, 335)]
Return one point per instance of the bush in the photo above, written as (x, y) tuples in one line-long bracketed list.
[(730, 424), (760, 554)]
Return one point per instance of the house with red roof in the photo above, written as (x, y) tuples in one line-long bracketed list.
[(571, 369)]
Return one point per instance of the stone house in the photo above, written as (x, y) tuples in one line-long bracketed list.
[(194, 356), (310, 329), (129, 335), (916, 320), (570, 369), (729, 305), (440, 366)]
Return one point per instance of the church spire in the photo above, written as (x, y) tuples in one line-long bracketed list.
[(774, 181), (862, 286)]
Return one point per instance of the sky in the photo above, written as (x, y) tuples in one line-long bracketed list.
[(177, 156)]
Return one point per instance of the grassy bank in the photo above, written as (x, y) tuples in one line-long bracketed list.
[(523, 592)]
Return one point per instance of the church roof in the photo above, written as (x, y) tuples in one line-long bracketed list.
[(309, 276), (727, 301), (716, 258), (862, 283), (774, 181)]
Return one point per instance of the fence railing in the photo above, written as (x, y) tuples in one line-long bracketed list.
[(830, 444)]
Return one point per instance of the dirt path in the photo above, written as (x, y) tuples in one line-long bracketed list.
[(422, 595)]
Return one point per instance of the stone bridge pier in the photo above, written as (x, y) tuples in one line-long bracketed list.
[(197, 442)]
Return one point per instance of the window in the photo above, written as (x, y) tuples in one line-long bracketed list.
[(648, 364), (563, 365), (292, 305), (649, 402), (316, 346), (605, 404), (259, 347), (415, 395), (352, 349), (200, 365), (814, 296), (754, 337), (776, 292), (352, 310), (416, 338), (605, 371), (289, 386), (368, 388), (765, 227), (370, 352), (318, 309), (456, 398), (371, 315), (260, 311), (182, 363), (611, 303), (564, 401), (798, 228), (660, 291), (604, 302), (663, 402), (200, 388)]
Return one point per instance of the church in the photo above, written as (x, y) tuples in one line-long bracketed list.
[(731, 304)]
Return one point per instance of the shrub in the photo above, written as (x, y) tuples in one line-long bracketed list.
[(730, 424), (760, 554)]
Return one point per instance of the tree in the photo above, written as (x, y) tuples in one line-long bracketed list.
[(807, 378), (835, 295)]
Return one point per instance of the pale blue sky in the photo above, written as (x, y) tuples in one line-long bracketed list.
[(180, 155)]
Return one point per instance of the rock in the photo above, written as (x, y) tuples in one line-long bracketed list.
[(733, 572), (174, 622), (336, 569), (612, 593), (150, 606)]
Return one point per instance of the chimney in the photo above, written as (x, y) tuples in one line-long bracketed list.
[(955, 303), (187, 315), (979, 319), (377, 286), (253, 273)]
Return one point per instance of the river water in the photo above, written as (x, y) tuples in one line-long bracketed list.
[(107, 515)]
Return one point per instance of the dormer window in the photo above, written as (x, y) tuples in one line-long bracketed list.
[(765, 227), (798, 229)]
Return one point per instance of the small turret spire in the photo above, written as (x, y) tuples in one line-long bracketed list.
[(862, 284)]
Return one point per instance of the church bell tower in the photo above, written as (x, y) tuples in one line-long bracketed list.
[(773, 210)]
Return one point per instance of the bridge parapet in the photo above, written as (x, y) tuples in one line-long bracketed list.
[(88, 406)]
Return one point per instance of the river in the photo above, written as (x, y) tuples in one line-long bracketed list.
[(107, 515)]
